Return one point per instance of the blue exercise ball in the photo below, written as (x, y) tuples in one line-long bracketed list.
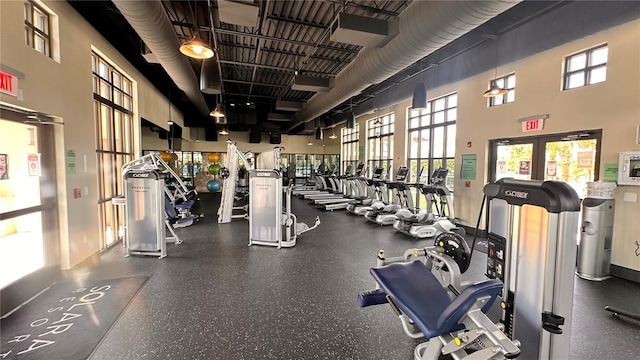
[(213, 185)]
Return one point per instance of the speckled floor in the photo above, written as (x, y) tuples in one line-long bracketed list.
[(214, 297)]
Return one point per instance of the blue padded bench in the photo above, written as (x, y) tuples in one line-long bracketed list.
[(185, 206), (418, 294)]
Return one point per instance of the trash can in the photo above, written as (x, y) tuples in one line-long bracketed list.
[(596, 232)]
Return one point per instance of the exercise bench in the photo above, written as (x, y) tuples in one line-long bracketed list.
[(451, 325)]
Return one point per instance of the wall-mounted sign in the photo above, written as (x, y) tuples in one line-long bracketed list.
[(552, 168), (33, 164), (533, 123), (468, 168), (70, 161), (502, 167), (525, 168), (585, 159), (8, 84)]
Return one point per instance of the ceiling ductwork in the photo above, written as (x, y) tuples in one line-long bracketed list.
[(363, 31), (425, 27), (283, 105), (149, 19), (238, 12)]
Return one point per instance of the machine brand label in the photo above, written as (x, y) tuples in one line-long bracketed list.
[(518, 194), (263, 174), (139, 175)]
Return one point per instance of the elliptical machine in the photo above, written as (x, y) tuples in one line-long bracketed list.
[(385, 214), (376, 192), (427, 224)]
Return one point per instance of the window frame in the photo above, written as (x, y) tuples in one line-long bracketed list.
[(587, 70), (349, 147), (511, 91), (114, 141), (32, 31), (376, 134), (424, 122)]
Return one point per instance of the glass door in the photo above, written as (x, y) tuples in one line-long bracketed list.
[(513, 159), (573, 158), (29, 247)]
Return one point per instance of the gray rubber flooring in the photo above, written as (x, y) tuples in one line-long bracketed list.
[(214, 297)]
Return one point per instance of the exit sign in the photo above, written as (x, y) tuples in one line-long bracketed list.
[(532, 125), (8, 84)]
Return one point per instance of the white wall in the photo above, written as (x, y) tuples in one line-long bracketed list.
[(64, 89)]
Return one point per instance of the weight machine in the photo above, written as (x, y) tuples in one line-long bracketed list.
[(266, 215), (149, 206), (533, 227), (225, 211), (424, 289)]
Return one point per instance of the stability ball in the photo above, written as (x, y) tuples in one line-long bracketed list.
[(165, 156), (214, 157), (214, 169), (213, 185)]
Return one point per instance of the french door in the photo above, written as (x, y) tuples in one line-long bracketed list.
[(573, 158), (29, 242)]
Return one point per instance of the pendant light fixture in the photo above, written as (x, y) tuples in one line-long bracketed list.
[(378, 120), (351, 118), (210, 79), (309, 143), (223, 131), (494, 89), (419, 100), (195, 48), (333, 134), (218, 113), (319, 133), (169, 122)]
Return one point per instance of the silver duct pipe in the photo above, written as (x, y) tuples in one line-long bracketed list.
[(425, 26), (150, 21)]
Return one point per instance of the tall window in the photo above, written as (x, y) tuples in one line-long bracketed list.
[(432, 138), (37, 27), (349, 144), (507, 82), (113, 113), (380, 142), (586, 68)]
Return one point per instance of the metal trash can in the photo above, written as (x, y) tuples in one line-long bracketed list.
[(596, 232)]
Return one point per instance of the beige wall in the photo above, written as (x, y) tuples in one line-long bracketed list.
[(64, 89), (613, 106)]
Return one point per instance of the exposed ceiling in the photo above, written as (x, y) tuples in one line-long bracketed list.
[(260, 58)]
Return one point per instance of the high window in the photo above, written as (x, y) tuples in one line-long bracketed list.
[(349, 146), (37, 27), (586, 68), (380, 142), (113, 113), (432, 138), (507, 82)]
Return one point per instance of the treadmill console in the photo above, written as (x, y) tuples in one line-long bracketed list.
[(401, 175), (439, 176)]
